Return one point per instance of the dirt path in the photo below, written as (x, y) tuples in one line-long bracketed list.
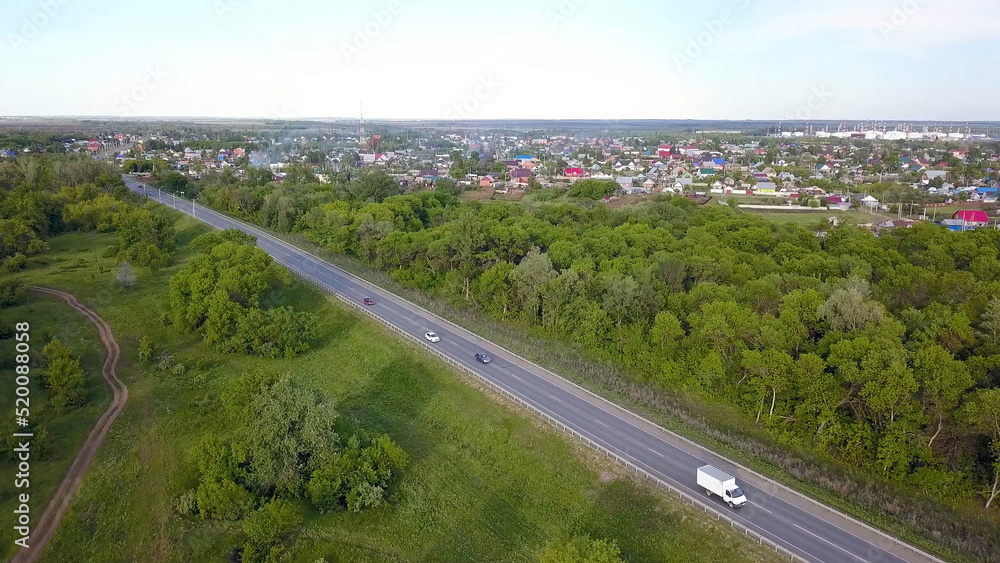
[(59, 503)]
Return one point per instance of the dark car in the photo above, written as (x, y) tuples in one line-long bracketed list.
[(483, 358), (369, 301)]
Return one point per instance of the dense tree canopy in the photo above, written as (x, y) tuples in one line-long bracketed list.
[(219, 292), (283, 446)]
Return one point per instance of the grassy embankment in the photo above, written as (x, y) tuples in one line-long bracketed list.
[(486, 482)]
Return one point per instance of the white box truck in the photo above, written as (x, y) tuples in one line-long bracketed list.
[(717, 482)]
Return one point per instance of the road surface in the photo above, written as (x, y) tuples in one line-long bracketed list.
[(810, 531)]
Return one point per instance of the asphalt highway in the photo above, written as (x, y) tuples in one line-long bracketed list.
[(809, 530)]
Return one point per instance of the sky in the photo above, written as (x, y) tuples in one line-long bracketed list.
[(517, 59)]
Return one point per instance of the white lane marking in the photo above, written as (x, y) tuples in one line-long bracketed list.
[(761, 507), (515, 377), (828, 541), (556, 398), (657, 453), (604, 424)]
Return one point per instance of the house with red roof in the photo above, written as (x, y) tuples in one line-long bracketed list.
[(664, 151), (972, 217), (576, 173)]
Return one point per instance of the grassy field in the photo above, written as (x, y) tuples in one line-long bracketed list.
[(810, 218), (486, 482), (49, 319)]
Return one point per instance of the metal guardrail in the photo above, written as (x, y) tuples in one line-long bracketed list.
[(761, 539)]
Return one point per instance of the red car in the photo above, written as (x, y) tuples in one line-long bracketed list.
[(369, 301)]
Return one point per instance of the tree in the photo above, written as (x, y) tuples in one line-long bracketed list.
[(528, 277), (258, 176), (172, 181), (64, 378), (292, 435), (144, 239), (768, 372), (494, 290), (17, 237), (373, 185), (593, 189), (267, 528), (219, 292), (943, 381), (622, 299), (12, 292), (990, 325), (357, 476), (982, 413), (850, 308), (447, 186), (878, 369), (223, 500), (666, 332), (125, 276)]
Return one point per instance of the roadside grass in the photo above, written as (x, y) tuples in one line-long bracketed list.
[(486, 481), (914, 518), (48, 318)]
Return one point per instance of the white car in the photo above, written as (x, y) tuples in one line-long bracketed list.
[(431, 337)]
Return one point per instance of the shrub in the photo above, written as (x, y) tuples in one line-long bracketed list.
[(223, 500), (12, 292), (146, 349), (15, 263), (63, 377), (166, 361), (267, 528), (187, 504)]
